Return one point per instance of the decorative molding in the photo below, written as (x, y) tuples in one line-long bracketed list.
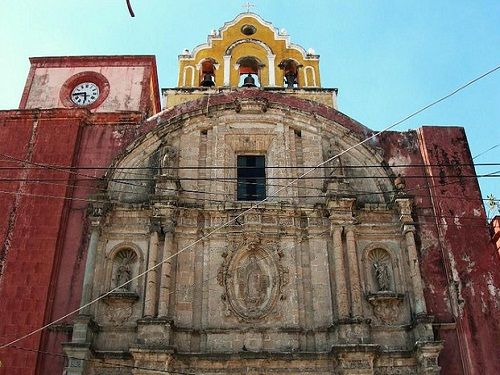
[(251, 105)]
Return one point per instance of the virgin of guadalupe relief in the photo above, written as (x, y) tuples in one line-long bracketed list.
[(253, 279), (253, 283)]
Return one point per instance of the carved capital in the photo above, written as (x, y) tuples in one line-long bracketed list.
[(98, 208), (405, 207), (341, 209), (155, 225)]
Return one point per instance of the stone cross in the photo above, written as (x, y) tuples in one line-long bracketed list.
[(248, 5)]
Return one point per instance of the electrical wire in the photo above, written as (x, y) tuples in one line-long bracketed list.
[(253, 206)]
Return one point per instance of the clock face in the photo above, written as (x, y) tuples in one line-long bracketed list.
[(85, 93)]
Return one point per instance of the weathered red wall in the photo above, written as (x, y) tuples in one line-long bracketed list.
[(44, 239), (495, 228), (458, 263), (43, 235), (32, 225), (469, 259)]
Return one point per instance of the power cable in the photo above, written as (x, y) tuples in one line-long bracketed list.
[(253, 206)]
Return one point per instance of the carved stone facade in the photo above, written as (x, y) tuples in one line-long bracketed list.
[(316, 279)]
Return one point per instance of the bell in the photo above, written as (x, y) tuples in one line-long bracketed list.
[(207, 80), (249, 81), (290, 79)]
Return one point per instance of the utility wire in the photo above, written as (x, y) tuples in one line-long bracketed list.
[(194, 167), (257, 204)]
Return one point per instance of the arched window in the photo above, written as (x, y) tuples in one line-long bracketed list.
[(290, 72), (207, 73), (249, 71)]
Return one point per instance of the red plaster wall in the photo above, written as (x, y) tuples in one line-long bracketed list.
[(99, 145), (463, 269), (43, 253), (32, 226), (495, 227)]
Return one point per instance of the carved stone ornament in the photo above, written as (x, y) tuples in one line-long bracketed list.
[(386, 306), (119, 306), (168, 160), (253, 279), (393, 370), (251, 105)]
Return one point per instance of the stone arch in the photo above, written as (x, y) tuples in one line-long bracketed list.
[(207, 69), (266, 47), (290, 68), (327, 123)]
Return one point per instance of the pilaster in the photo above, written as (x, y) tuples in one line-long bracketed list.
[(422, 323), (151, 277)]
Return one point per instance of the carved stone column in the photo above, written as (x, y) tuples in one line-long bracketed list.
[(355, 285), (95, 228), (151, 279), (340, 213), (341, 289), (415, 276), (272, 69), (166, 267), (227, 70), (422, 324)]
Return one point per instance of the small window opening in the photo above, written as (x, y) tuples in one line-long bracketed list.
[(207, 73), (290, 73), (249, 72), (251, 178)]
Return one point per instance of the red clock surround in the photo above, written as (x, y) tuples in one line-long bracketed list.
[(82, 77)]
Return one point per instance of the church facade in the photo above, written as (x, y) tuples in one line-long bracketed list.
[(245, 228)]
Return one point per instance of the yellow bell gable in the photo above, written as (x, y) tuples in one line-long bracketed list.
[(248, 47)]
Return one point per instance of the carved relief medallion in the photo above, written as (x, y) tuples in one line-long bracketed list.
[(253, 279)]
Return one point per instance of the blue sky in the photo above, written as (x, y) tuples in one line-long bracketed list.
[(388, 58)]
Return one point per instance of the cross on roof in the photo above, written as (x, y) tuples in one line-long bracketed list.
[(248, 5)]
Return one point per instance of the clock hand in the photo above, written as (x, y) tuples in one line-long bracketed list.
[(78, 93)]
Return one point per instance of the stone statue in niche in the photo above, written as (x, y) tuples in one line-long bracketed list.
[(124, 260), (253, 283), (123, 275), (382, 276), (168, 160), (335, 165)]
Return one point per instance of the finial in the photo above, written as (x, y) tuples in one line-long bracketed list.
[(248, 5)]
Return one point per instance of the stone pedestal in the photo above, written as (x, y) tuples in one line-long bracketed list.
[(154, 333), (158, 360), (78, 350), (355, 359), (78, 357), (422, 328), (353, 331), (427, 353)]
